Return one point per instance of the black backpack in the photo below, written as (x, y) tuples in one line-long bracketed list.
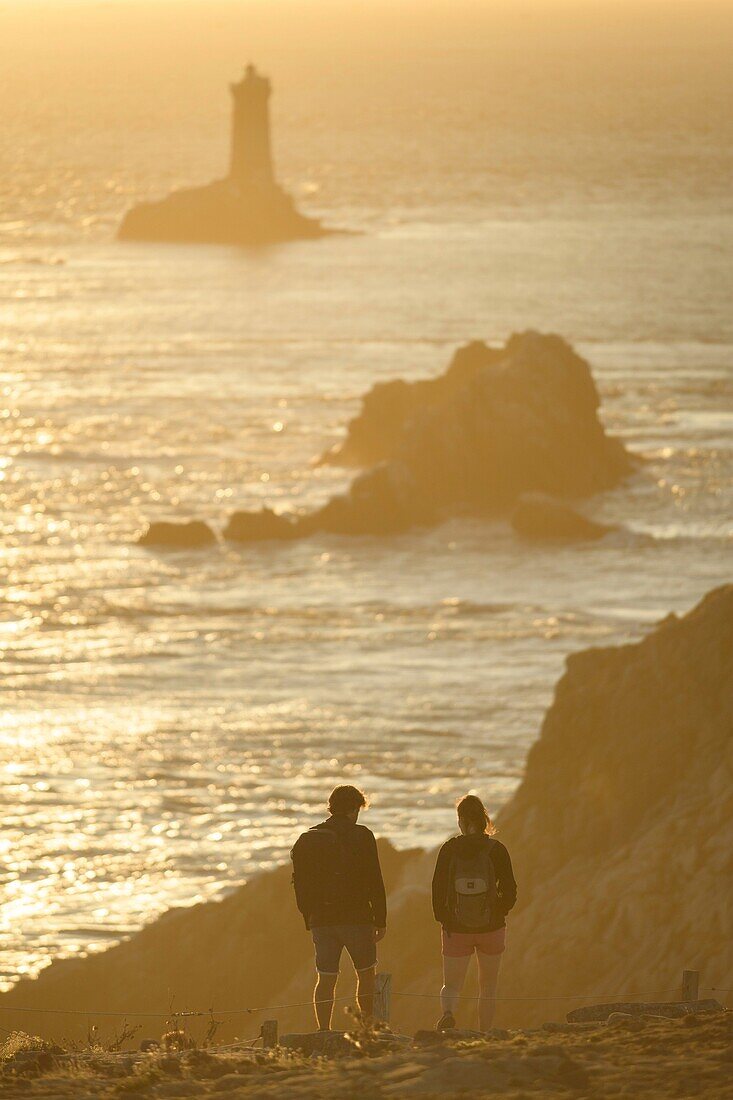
[(320, 868), (472, 894)]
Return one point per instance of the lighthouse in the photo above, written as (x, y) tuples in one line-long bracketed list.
[(246, 207), (251, 154)]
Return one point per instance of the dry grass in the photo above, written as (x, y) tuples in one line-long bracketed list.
[(647, 1057)]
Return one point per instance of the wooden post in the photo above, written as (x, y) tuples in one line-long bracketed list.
[(268, 1031), (382, 997), (690, 985)]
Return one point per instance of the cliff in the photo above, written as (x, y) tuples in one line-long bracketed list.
[(621, 835), (623, 825)]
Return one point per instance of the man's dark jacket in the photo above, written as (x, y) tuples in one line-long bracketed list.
[(358, 897)]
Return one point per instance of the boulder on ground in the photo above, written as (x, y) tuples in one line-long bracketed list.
[(541, 518), (259, 526), (670, 1010), (178, 535)]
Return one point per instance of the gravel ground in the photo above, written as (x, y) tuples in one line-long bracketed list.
[(634, 1057)]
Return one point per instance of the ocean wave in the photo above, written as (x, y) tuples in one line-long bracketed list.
[(21, 260)]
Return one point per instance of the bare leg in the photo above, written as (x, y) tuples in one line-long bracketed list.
[(365, 992), (454, 975), (488, 974), (323, 1000)]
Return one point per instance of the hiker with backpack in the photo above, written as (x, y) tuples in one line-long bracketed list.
[(473, 890), (340, 893)]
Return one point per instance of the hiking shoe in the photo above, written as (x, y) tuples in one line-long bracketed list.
[(446, 1022)]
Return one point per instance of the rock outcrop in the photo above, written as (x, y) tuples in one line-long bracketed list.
[(259, 527), (221, 213), (501, 423), (621, 835), (178, 535), (623, 826), (540, 518)]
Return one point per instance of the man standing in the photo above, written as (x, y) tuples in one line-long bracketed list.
[(340, 892)]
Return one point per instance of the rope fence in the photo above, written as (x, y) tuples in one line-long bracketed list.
[(552, 997), (686, 994), (172, 1014)]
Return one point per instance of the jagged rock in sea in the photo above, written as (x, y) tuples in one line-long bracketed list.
[(183, 535), (541, 518), (385, 500), (621, 835), (259, 526), (500, 423), (382, 501), (248, 207), (389, 408)]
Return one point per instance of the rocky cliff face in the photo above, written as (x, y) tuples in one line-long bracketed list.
[(622, 840), (623, 826)]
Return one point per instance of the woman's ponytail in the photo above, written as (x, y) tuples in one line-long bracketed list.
[(472, 812)]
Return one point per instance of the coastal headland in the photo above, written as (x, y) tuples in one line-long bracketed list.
[(628, 793)]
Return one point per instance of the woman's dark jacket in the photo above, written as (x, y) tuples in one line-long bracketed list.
[(506, 887)]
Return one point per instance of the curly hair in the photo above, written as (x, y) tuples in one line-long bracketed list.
[(346, 799)]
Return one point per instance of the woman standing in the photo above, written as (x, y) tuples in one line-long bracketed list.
[(473, 890)]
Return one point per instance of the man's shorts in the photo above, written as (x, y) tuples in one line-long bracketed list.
[(457, 945), (331, 939)]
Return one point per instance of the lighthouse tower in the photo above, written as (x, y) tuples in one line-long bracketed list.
[(245, 207), (251, 155)]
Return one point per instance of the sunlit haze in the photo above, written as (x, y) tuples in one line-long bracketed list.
[(202, 277)]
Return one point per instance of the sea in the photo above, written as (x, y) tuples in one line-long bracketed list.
[(171, 721)]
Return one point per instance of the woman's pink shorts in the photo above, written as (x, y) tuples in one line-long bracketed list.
[(457, 945)]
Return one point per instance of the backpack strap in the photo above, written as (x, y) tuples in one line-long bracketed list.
[(450, 895)]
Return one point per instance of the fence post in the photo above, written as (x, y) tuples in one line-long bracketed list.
[(382, 997), (268, 1031), (690, 985)]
